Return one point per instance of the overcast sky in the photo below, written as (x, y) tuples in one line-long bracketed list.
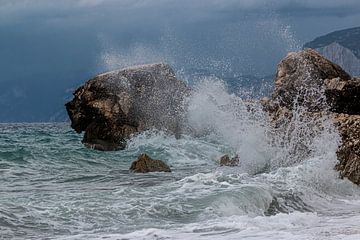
[(49, 46), (160, 24)]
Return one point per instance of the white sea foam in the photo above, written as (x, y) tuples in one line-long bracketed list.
[(294, 226), (307, 198), (80, 194), (230, 121)]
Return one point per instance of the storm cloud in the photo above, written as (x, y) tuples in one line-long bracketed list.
[(14, 10), (48, 47)]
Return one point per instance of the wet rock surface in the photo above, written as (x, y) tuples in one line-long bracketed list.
[(305, 80), (112, 106), (349, 151), (300, 80), (145, 164), (343, 96)]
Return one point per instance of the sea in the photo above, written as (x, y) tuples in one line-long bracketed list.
[(53, 187)]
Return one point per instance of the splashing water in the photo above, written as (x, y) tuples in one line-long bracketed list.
[(241, 125), (273, 27), (53, 187)]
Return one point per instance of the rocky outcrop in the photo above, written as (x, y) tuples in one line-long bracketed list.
[(300, 79), (112, 106), (349, 151), (226, 161), (309, 86), (343, 95), (145, 164)]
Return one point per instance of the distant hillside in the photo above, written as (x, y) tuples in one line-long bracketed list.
[(341, 47), (349, 38)]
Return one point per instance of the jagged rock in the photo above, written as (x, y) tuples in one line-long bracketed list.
[(343, 96), (226, 161), (112, 106), (349, 151), (145, 164), (300, 78), (311, 87)]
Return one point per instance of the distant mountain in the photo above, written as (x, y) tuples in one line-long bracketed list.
[(341, 47), (342, 56)]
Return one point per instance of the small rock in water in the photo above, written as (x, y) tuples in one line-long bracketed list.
[(226, 161), (145, 164)]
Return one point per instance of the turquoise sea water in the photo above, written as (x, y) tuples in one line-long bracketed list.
[(52, 187)]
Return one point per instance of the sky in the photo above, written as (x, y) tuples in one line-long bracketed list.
[(50, 47)]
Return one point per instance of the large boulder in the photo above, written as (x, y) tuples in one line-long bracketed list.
[(308, 88), (300, 79), (145, 164), (112, 106)]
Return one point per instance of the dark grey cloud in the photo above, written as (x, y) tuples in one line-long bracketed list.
[(163, 28), (133, 23), (49, 46), (13, 10)]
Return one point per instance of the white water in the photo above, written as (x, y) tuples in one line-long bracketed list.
[(269, 196), (317, 204)]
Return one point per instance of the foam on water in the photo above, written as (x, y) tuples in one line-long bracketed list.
[(53, 187), (295, 226)]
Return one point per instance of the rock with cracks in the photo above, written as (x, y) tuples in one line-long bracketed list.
[(112, 106), (349, 151), (300, 80), (307, 81)]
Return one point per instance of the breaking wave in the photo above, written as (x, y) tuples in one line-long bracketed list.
[(52, 187)]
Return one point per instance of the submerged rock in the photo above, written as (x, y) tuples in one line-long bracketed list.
[(112, 106), (318, 88), (226, 161), (145, 164)]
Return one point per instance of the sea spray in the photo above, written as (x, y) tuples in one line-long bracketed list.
[(55, 188), (62, 190), (247, 129), (302, 153), (228, 119)]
